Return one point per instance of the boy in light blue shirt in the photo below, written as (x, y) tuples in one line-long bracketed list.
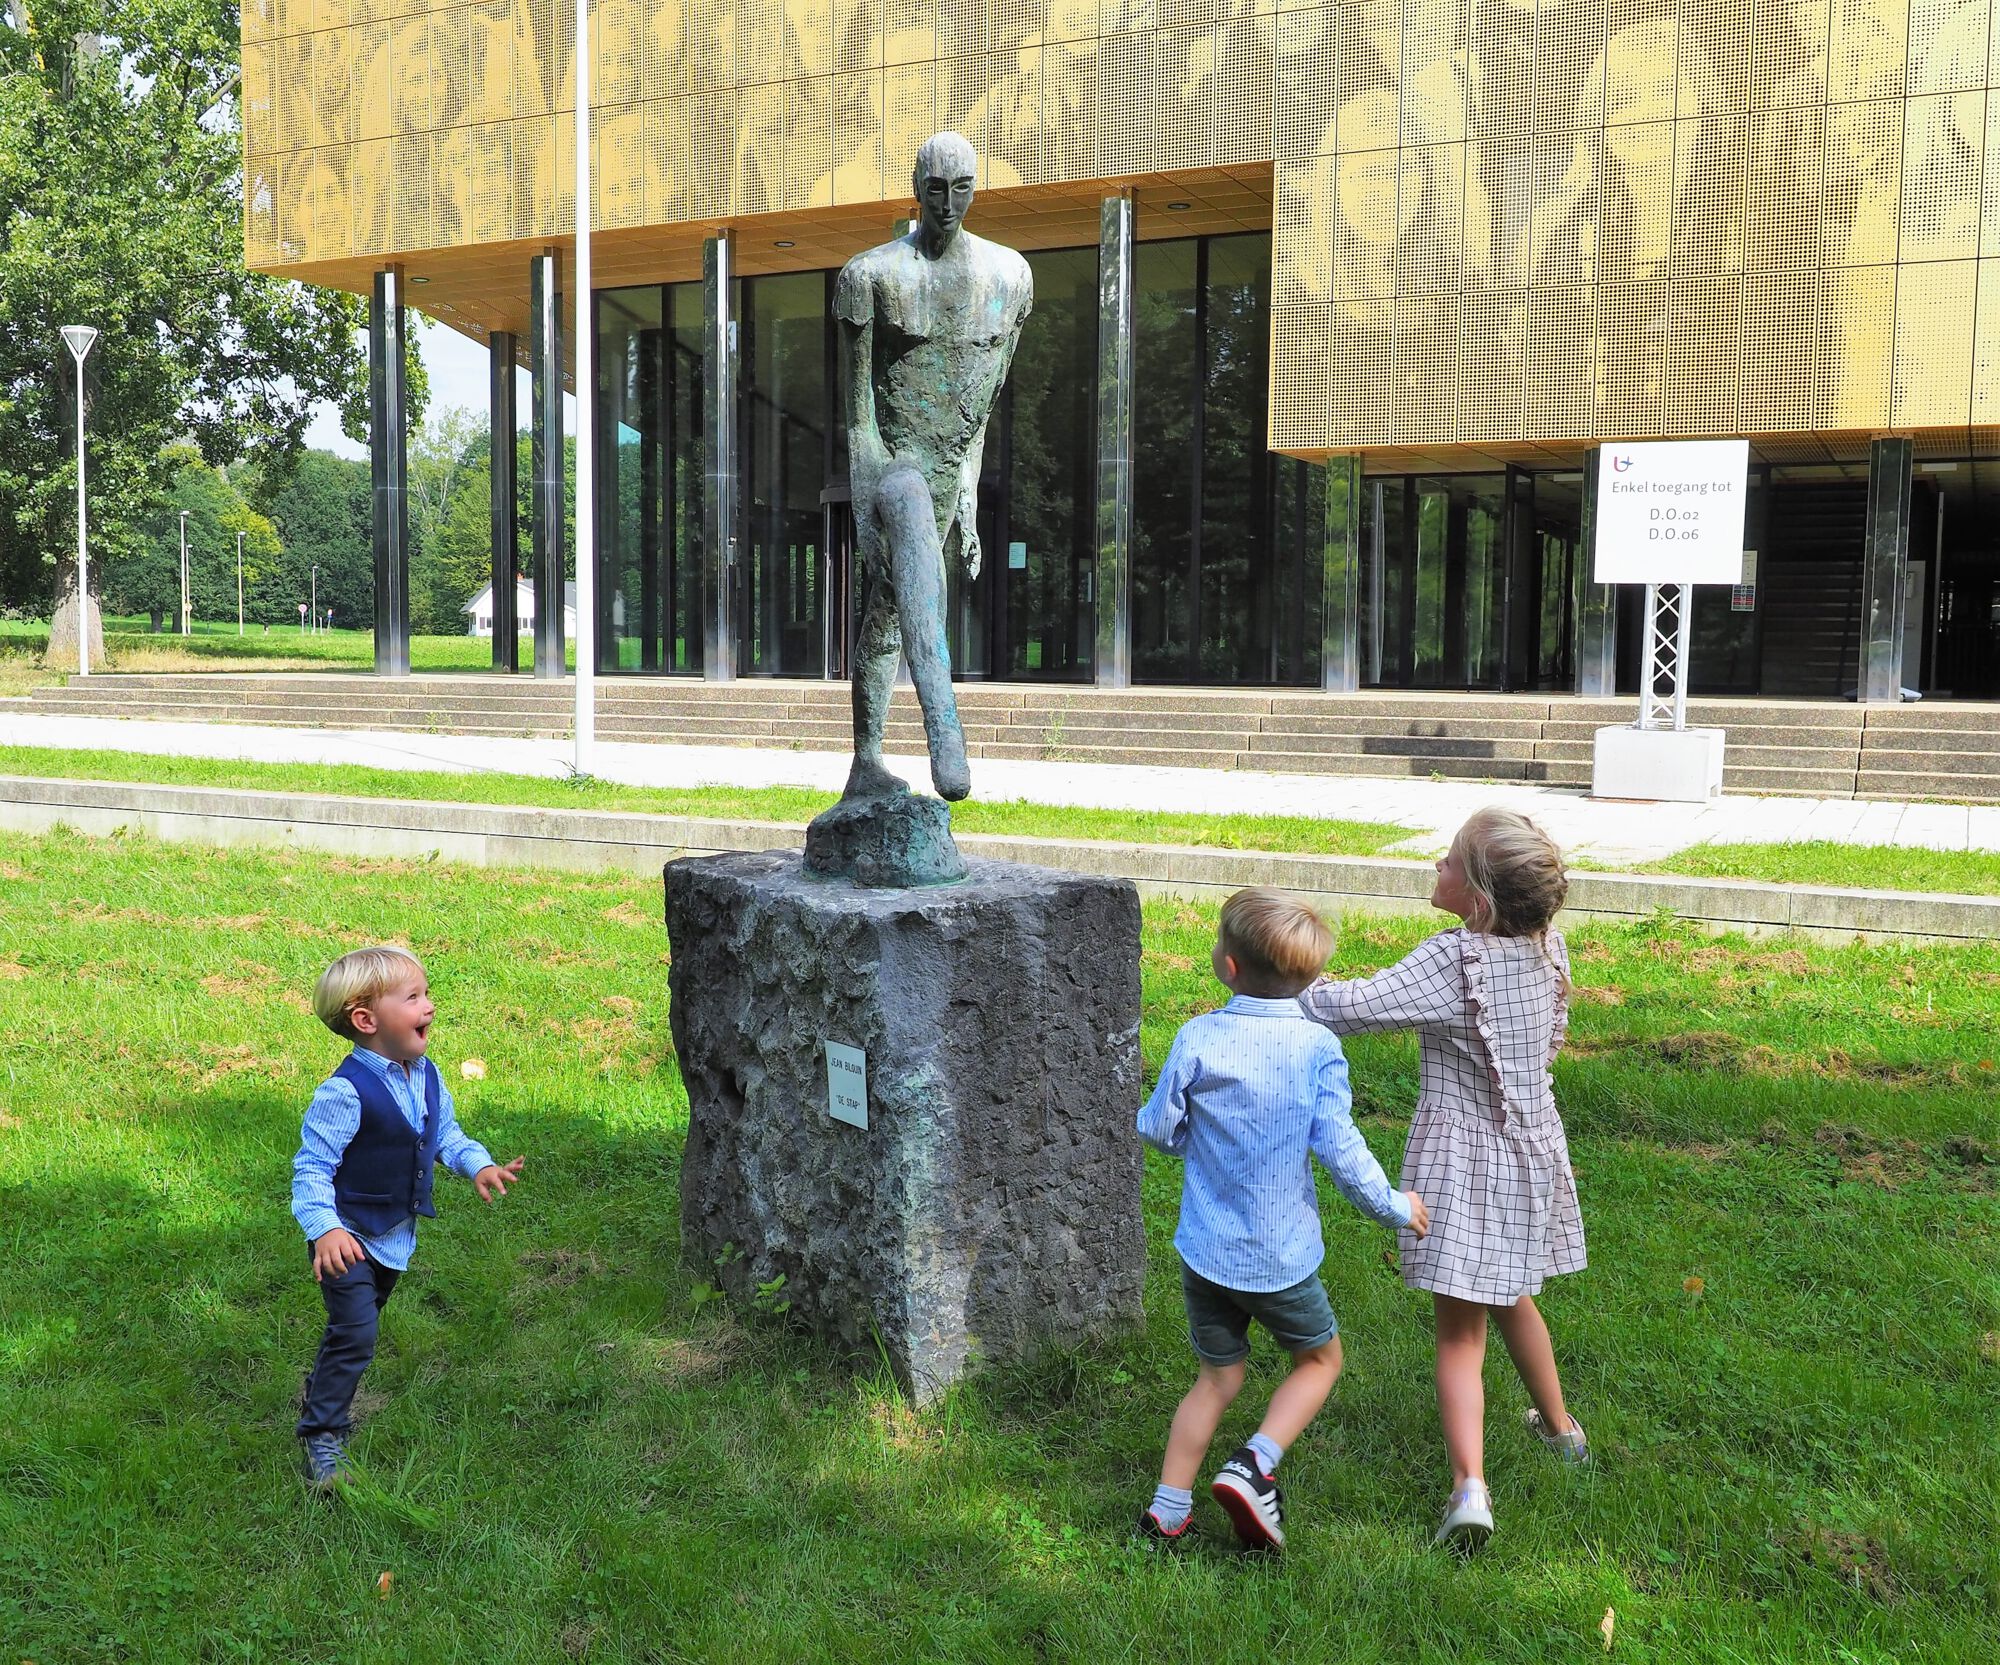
[(1247, 1097)]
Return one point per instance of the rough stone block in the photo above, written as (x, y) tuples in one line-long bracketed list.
[(891, 842), (992, 1202)]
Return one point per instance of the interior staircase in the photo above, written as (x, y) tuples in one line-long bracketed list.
[(1815, 747)]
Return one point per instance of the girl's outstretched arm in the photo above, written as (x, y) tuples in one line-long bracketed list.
[(1426, 986)]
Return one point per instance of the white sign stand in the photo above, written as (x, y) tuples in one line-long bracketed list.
[(1669, 516)]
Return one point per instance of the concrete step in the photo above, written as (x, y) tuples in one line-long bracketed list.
[(1931, 742), (1463, 749), (1171, 757), (1934, 716), (1897, 783), (1472, 708), (1971, 765), (1763, 734), (1414, 728)]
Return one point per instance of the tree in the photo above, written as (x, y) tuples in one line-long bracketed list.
[(148, 581), (457, 557), (320, 505), (121, 207), (449, 463)]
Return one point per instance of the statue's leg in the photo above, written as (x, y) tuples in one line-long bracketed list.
[(878, 645), (910, 536)]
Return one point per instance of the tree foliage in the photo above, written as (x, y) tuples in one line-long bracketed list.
[(319, 505), (148, 581), (121, 207)]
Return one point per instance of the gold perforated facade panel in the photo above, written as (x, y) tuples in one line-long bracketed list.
[(1496, 222)]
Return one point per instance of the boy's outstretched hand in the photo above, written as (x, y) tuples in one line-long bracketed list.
[(1420, 1216), (335, 1254), (492, 1181)]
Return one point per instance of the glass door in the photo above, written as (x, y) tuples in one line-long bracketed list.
[(1435, 581), (785, 406)]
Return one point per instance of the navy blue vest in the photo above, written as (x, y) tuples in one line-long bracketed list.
[(385, 1173)]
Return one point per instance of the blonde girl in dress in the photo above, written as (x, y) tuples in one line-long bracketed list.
[(1489, 1002)]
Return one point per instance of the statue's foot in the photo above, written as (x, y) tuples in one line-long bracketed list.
[(869, 779), (950, 773)]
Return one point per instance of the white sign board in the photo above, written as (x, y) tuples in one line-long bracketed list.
[(847, 1084), (1672, 512)]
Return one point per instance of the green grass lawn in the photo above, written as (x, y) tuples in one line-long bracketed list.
[(1820, 862), (215, 646), (795, 805), (1787, 1348)]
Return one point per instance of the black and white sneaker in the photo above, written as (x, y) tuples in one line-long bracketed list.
[(1154, 1538), (1251, 1499)]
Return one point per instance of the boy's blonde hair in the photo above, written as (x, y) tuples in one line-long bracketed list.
[(1514, 871), (359, 978), (1273, 935)]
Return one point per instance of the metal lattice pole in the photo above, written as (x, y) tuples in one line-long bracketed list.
[(1668, 638)]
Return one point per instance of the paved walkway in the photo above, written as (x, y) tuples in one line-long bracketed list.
[(1605, 831)]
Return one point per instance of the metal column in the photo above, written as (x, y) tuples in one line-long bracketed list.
[(719, 486), (1340, 621), (545, 469), (1596, 604), (389, 471), (1885, 562), (1116, 259), (504, 351)]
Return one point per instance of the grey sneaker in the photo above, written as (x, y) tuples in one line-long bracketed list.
[(326, 1461), (1468, 1519), (1572, 1447)]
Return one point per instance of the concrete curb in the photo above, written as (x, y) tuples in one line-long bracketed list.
[(493, 835)]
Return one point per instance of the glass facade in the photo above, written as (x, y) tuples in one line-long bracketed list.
[(1466, 581), (1229, 547), (649, 461), (1226, 560)]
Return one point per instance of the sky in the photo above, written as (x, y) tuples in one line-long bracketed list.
[(458, 368)]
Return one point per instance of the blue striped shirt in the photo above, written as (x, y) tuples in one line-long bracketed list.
[(1248, 1096), (332, 1120)]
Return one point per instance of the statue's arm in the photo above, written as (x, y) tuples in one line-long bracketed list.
[(969, 471), (865, 451)]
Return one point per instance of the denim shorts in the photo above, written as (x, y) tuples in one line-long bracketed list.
[(1298, 1317)]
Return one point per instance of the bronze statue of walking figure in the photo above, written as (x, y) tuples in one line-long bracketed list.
[(928, 325)]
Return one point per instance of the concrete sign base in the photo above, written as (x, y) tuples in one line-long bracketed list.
[(1657, 765)]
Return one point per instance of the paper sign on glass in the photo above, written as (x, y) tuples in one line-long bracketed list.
[(847, 1084), (1671, 512)]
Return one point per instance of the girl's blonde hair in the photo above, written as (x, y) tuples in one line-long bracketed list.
[(1514, 871), (358, 978)]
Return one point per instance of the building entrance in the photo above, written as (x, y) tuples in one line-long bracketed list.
[(1468, 580)]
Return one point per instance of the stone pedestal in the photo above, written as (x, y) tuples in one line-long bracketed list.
[(992, 1200)]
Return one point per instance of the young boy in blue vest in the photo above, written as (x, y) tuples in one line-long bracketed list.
[(374, 1134)]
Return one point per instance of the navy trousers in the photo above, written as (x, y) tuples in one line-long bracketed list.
[(354, 1303)]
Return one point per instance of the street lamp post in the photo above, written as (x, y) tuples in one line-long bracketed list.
[(315, 598), (79, 338), (586, 411), (187, 608), (239, 583)]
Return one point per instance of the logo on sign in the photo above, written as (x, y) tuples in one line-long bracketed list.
[(1620, 465)]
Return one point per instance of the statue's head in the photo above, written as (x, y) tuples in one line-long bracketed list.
[(943, 180)]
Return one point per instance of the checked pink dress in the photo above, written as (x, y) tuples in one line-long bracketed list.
[(1486, 1149)]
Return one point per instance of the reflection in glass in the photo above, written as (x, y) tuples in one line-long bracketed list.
[(1038, 497), (1226, 536), (785, 405), (649, 479)]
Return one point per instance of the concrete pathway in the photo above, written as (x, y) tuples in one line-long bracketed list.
[(1605, 831)]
